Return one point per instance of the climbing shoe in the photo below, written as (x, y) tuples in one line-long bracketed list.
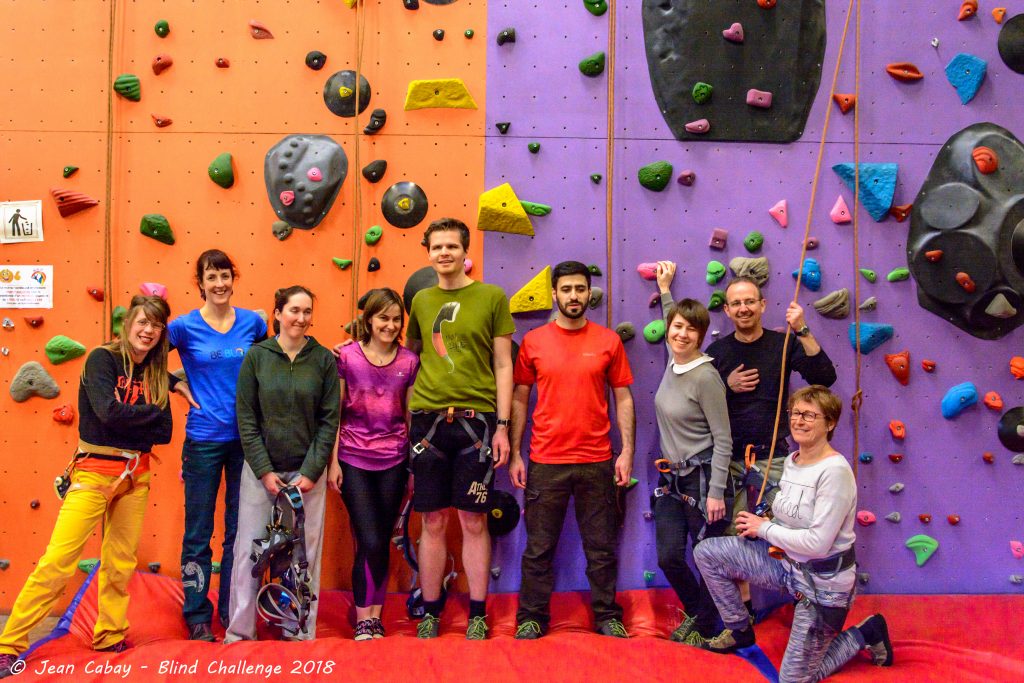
[(876, 639), (477, 629), (429, 627), (729, 641), (119, 646), (695, 639), (377, 627), (364, 630), (684, 629), (613, 628), (201, 632), (529, 630), (7, 665)]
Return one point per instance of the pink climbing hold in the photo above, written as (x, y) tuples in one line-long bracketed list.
[(734, 34), (686, 178), (654, 300), (1017, 548), (762, 99), (315, 174), (780, 212), (700, 126), (287, 197), (648, 271), (812, 243), (153, 289), (866, 518), (718, 238), (468, 266), (840, 213)]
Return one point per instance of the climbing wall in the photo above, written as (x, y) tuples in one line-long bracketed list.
[(536, 85)]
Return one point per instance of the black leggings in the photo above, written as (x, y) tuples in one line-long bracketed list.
[(373, 499)]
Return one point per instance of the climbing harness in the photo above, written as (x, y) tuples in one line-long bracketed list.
[(449, 415), (401, 540), (701, 462), (62, 485)]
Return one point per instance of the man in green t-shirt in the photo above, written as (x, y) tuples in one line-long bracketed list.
[(460, 408)]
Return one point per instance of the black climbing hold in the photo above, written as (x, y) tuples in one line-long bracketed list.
[(534, 147), (373, 265), (315, 60), (304, 205), (340, 93), (422, 279), (503, 126), (508, 35), (595, 178), (404, 204), (374, 170), (438, 34), (378, 117), (411, 4), (1011, 43), (1011, 428)]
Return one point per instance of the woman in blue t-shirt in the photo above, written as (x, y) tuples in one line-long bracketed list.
[(211, 342)]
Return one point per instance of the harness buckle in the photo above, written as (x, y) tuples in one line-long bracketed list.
[(418, 448), (450, 414), (660, 492)]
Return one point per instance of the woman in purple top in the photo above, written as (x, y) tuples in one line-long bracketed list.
[(371, 471)]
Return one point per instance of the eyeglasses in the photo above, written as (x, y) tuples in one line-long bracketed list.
[(144, 323), (805, 415), (749, 303)]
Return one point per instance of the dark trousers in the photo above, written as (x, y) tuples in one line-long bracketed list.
[(201, 466), (548, 489), (373, 499)]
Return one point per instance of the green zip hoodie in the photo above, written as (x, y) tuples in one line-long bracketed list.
[(288, 410)]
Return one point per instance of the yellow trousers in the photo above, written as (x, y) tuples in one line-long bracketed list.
[(82, 509)]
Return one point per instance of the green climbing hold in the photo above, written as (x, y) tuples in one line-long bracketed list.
[(595, 178), (701, 92), (373, 235), (594, 270), (534, 147), (654, 332), (156, 226), (502, 126), (869, 274), (715, 272), (128, 87), (655, 176), (70, 171), (593, 65), (648, 576), (898, 275), (596, 7), (220, 170), (535, 209), (61, 349), (924, 546), (215, 567), (88, 565), (162, 28), (117, 320), (342, 263), (753, 241), (717, 300), (469, 33)]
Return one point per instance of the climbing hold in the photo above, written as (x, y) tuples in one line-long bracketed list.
[(596, 7), (61, 349), (653, 300), (373, 235), (375, 170), (535, 295), (95, 293), (215, 567), (993, 400), (32, 379), (34, 504), (595, 270), (596, 297), (259, 31), (316, 60), (315, 174), (162, 28), (378, 117), (985, 159), (923, 546), (846, 102), (899, 365), (220, 170), (756, 268), (715, 272), (999, 13), (1017, 549), (1000, 307), (1016, 579), (626, 331), (988, 457), (877, 185), (865, 517), (161, 121), (835, 305), (686, 178), (965, 281), (865, 458), (904, 71), (655, 176), (469, 33), (535, 209), (340, 93), (766, 4), (503, 126), (153, 289), (161, 63), (593, 65), (648, 576), (900, 212), (810, 274), (872, 335), (717, 300), (1017, 367), (438, 34), (287, 197), (69, 171), (285, 168), (968, 8), (534, 147), (928, 365), (953, 519), (719, 237), (507, 35), (69, 203), (925, 518), (595, 178), (840, 213), (155, 225), (1018, 459), (222, 63), (698, 127), (34, 321), (467, 266), (64, 415), (500, 210), (5, 564), (958, 399), (128, 87), (404, 204), (898, 274), (894, 517), (933, 256), (897, 487), (87, 565), (897, 429), (654, 331), (780, 212), (154, 567), (117, 320), (734, 34), (761, 99), (965, 73), (811, 243), (1011, 429), (374, 265), (869, 304), (896, 458), (648, 271), (411, 4), (701, 92), (7, 324), (281, 230), (753, 242), (440, 93)]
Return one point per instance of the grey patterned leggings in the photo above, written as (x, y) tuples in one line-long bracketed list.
[(817, 645)]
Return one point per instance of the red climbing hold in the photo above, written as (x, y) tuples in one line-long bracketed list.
[(925, 518), (162, 63), (97, 293), (780, 212), (258, 31), (897, 429), (900, 212), (161, 121), (34, 321), (865, 517), (846, 102), (1017, 549), (762, 99), (988, 457), (985, 159), (1017, 367), (64, 415), (287, 197), (840, 213), (648, 271), (953, 519), (933, 256), (69, 202), (222, 62), (698, 127), (993, 400), (968, 8), (965, 281), (766, 4), (899, 365), (928, 365), (896, 457), (904, 71)]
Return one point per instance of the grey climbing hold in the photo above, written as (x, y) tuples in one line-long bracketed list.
[(655, 176), (1016, 579), (507, 35), (835, 305), (894, 517), (315, 60), (32, 379), (373, 265), (61, 349), (1018, 459), (870, 304), (863, 577), (281, 230), (596, 296), (286, 169), (378, 117), (340, 93), (897, 487), (7, 324), (375, 170), (755, 268), (626, 331), (1000, 307)]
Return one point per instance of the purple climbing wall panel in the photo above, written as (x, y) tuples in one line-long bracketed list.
[(535, 84)]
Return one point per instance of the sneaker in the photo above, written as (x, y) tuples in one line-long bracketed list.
[(119, 646), (876, 639), (377, 627), (529, 630), (613, 628), (201, 632), (429, 627), (477, 629), (684, 629), (7, 667), (729, 641), (364, 629), (695, 639)]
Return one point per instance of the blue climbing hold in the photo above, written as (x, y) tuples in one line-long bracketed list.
[(965, 73), (759, 659), (866, 457), (958, 399), (811, 277), (877, 186), (872, 335)]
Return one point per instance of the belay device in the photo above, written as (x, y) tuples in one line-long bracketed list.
[(279, 562)]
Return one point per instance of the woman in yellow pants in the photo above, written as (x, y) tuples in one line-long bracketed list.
[(123, 410)]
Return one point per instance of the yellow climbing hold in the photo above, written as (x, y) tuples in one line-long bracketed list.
[(351, 3), (345, 92), (535, 295), (439, 93), (501, 211)]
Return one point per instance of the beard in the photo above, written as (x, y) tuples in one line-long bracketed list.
[(573, 316)]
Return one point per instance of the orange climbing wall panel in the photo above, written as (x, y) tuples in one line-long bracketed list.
[(56, 76)]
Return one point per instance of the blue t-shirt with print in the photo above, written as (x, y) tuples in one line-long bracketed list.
[(212, 360)]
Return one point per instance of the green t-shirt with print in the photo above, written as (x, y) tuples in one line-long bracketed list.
[(457, 328)]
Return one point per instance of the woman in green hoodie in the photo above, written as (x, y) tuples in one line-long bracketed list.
[(287, 406)]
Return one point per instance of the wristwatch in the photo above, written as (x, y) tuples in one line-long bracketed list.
[(803, 331), (503, 423)]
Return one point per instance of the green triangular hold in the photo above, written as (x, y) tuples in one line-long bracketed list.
[(924, 546), (898, 275), (61, 349), (535, 209), (593, 65), (87, 565), (594, 270), (156, 226), (595, 178), (655, 176), (342, 263), (503, 126), (869, 275), (69, 171), (220, 170)]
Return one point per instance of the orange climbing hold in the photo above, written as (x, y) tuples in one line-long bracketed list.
[(933, 256), (988, 457), (993, 400), (985, 159), (846, 102), (900, 212), (928, 365), (999, 13), (965, 281), (899, 365), (968, 8), (904, 71), (1017, 367), (897, 429)]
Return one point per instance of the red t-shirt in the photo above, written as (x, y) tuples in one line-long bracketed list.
[(572, 370)]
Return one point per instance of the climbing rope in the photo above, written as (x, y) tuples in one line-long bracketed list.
[(357, 194), (807, 234), (609, 172), (858, 395), (107, 311)]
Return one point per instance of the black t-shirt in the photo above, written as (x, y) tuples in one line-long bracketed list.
[(752, 413)]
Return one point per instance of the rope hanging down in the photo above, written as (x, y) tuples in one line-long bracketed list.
[(357, 193), (107, 308), (609, 172)]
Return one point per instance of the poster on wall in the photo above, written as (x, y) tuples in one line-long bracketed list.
[(26, 286), (21, 221)]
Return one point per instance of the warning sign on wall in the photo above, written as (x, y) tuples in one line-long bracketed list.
[(26, 286)]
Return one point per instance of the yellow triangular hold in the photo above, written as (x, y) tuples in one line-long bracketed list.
[(350, 3), (438, 93), (501, 211), (535, 295)]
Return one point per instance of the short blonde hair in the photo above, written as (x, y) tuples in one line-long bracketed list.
[(831, 405)]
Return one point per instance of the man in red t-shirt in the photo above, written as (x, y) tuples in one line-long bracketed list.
[(572, 362)]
